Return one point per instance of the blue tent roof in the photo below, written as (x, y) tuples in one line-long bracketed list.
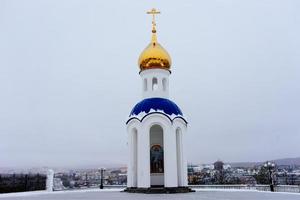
[(167, 106)]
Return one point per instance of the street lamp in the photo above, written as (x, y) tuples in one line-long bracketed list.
[(101, 180), (270, 167)]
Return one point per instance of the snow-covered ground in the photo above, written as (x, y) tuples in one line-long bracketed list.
[(115, 194)]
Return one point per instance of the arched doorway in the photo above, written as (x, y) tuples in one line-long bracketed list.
[(156, 156)]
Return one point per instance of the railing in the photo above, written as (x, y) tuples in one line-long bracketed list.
[(92, 187), (278, 188), (224, 187)]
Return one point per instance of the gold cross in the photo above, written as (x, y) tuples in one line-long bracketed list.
[(153, 12)]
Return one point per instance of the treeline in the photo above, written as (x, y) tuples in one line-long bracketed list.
[(22, 182)]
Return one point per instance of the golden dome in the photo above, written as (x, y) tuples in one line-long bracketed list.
[(154, 55)]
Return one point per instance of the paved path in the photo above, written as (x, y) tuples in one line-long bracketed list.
[(116, 195)]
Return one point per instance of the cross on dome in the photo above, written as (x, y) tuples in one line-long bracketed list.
[(153, 12)]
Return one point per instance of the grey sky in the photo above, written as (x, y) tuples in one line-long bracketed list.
[(69, 78)]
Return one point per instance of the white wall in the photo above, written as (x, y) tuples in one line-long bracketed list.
[(162, 78), (170, 148)]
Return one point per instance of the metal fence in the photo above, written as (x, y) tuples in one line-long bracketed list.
[(277, 188), (280, 188), (224, 187)]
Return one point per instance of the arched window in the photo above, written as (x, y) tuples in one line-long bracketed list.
[(164, 83), (154, 84), (145, 84)]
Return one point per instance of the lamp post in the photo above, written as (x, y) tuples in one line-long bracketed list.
[(270, 167), (101, 174)]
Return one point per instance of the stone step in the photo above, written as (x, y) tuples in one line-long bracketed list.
[(159, 190)]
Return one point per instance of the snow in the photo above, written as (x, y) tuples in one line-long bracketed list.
[(116, 194)]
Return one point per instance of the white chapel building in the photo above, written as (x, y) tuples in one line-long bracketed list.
[(156, 127)]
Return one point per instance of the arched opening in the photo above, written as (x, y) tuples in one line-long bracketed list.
[(164, 83), (134, 156), (179, 156), (154, 84), (156, 156), (145, 84)]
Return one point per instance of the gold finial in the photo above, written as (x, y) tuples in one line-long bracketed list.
[(153, 12)]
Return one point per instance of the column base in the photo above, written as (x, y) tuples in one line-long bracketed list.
[(159, 190)]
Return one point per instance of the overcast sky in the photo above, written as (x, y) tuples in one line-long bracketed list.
[(69, 78)]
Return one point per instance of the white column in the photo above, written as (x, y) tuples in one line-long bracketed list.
[(178, 133), (184, 159), (170, 161), (144, 158), (130, 159), (135, 136), (160, 86), (49, 181)]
